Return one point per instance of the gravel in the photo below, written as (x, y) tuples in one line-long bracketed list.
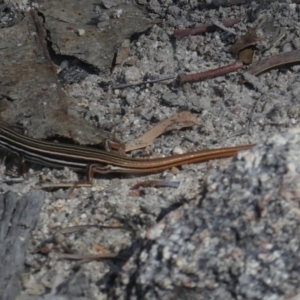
[(235, 233), (237, 240)]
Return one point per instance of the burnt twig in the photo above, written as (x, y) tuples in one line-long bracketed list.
[(156, 183)]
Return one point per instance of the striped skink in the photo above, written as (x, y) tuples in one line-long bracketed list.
[(93, 160)]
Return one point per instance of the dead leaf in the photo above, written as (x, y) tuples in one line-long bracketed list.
[(177, 122), (244, 47), (292, 57)]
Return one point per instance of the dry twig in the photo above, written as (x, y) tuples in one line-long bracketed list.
[(181, 33), (184, 78)]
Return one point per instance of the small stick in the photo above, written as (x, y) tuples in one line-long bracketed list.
[(237, 2), (124, 86), (156, 183), (13, 180), (197, 77), (223, 27), (66, 185), (76, 229), (89, 257), (181, 33)]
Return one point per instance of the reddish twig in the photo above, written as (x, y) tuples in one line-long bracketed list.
[(180, 33), (211, 73)]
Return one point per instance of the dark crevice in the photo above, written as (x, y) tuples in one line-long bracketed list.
[(75, 69)]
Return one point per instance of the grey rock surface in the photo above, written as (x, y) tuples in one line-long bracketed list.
[(231, 111), (238, 240), (18, 215)]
